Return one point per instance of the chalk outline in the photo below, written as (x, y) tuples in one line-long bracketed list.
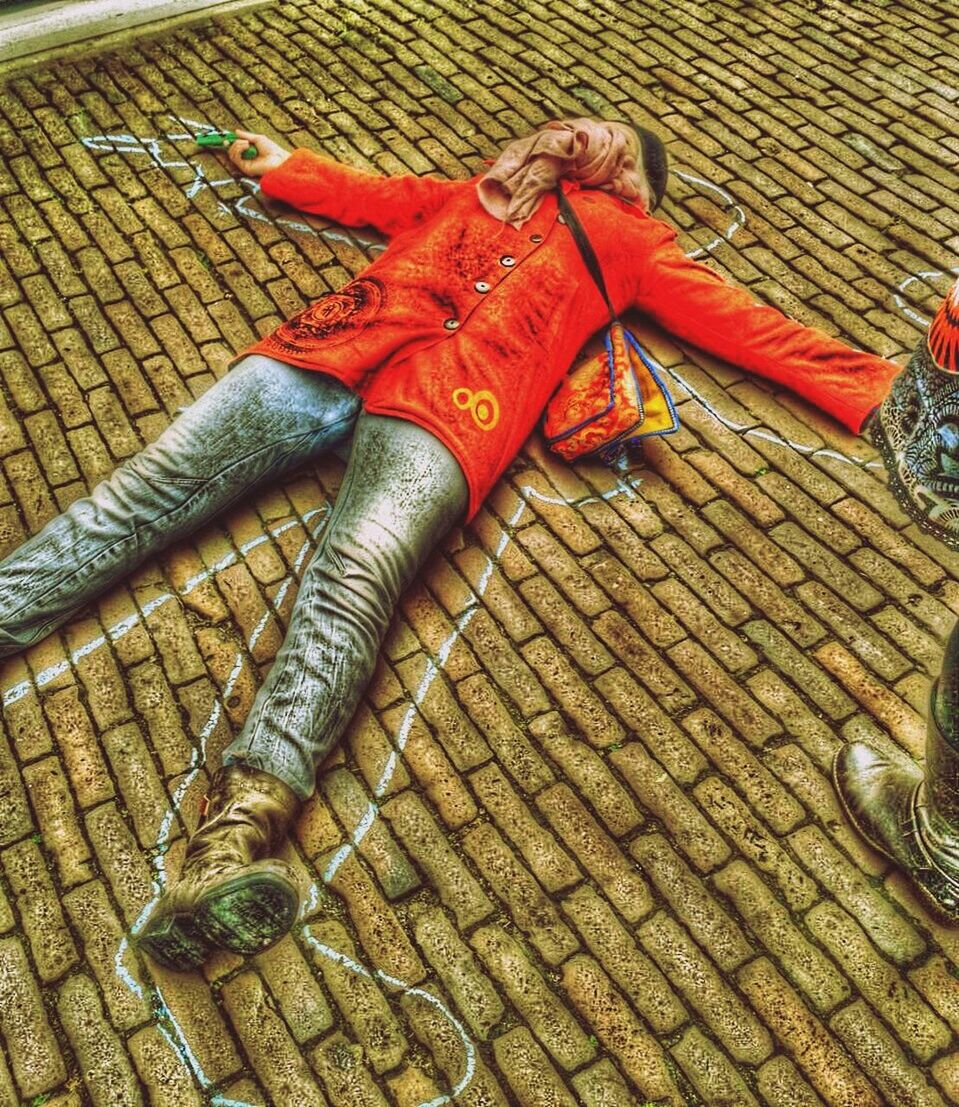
[(134, 145)]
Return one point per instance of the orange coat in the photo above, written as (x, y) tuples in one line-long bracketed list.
[(466, 326)]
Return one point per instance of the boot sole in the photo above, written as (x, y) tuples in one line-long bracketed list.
[(171, 944), (926, 896), (247, 914)]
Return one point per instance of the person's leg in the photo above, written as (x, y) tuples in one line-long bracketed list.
[(260, 420), (911, 815), (402, 492), (917, 428)]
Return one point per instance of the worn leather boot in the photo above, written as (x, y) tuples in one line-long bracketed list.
[(916, 429), (910, 816), (232, 892)]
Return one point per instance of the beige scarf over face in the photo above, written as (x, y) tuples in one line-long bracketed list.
[(590, 151)]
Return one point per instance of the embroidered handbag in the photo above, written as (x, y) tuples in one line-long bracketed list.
[(613, 395)]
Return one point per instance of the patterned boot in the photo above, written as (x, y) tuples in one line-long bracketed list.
[(910, 816), (232, 892), (917, 428)]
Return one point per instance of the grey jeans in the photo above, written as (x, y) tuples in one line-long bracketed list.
[(402, 491)]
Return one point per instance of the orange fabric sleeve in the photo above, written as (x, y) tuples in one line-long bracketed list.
[(695, 303), (322, 186)]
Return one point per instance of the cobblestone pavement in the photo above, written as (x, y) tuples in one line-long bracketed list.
[(607, 866)]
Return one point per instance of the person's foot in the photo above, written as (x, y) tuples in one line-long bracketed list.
[(232, 892), (909, 816), (917, 428), (170, 937)]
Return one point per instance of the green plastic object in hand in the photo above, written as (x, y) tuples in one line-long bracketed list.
[(224, 138)]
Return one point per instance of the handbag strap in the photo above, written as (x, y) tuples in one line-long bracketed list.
[(587, 251)]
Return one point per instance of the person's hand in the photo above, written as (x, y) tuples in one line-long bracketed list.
[(269, 154)]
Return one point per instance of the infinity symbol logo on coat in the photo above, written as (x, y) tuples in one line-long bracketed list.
[(482, 405)]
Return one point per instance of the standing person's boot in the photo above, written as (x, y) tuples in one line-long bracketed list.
[(917, 428), (232, 891), (910, 816)]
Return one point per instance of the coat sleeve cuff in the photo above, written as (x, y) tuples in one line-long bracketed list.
[(305, 177)]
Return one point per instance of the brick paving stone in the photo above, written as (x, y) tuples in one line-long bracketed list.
[(438, 706), (377, 758), (528, 1071), (601, 857), (755, 841), (710, 1070), (588, 772), (797, 667), (829, 1069), (604, 1009), (692, 901), (379, 930), (690, 970), (660, 795), (601, 1086), (714, 685), (471, 989), (770, 921), (56, 816), (393, 869), (297, 993), (638, 600), (347, 1080), (645, 661), (118, 856), (567, 628), (630, 968), (881, 1058), (160, 1069), (878, 981), (572, 693), (423, 839), (767, 597), (885, 926), (721, 642), (357, 995), (734, 759), (815, 790), (550, 863), (872, 647), (934, 981), (103, 1060), (548, 1018), (434, 1029), (35, 1055), (780, 1085), (509, 667), (153, 700), (101, 936), (40, 912), (275, 1057), (905, 724), (140, 786), (529, 906), (195, 1011), (644, 717)]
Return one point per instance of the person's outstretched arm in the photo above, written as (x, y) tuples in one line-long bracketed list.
[(322, 186), (695, 303)]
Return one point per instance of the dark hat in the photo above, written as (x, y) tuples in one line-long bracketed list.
[(655, 162)]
